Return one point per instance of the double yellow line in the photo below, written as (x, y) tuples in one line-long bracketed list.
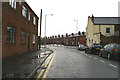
[(43, 73)]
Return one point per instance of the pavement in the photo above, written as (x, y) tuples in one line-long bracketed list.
[(22, 66)]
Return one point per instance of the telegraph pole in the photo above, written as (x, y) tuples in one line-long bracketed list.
[(40, 29)]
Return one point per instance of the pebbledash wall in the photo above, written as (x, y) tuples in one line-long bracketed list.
[(19, 29)]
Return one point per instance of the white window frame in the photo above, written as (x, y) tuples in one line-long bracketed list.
[(29, 16), (12, 3), (33, 39), (34, 20), (24, 11)]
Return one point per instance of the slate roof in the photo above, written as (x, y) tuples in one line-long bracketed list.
[(75, 35), (106, 20)]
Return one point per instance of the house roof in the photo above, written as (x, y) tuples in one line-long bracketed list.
[(75, 35), (106, 20)]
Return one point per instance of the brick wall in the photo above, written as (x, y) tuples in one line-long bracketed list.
[(68, 41), (15, 19), (106, 40)]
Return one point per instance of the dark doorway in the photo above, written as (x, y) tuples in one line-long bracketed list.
[(28, 40)]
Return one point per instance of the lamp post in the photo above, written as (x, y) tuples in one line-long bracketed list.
[(45, 27), (76, 30)]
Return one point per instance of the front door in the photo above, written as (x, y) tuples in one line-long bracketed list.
[(28, 40)]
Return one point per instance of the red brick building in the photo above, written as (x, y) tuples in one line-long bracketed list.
[(75, 39), (69, 40), (19, 28)]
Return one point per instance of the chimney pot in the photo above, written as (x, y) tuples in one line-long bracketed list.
[(92, 17)]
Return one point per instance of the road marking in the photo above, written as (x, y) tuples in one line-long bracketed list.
[(95, 58), (113, 65), (90, 56), (102, 61), (40, 74), (48, 66), (43, 73), (86, 54)]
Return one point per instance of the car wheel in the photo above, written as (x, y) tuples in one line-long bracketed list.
[(85, 51), (109, 56), (92, 52)]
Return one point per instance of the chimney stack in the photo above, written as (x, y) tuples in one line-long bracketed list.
[(92, 18)]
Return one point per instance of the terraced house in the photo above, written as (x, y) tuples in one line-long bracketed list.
[(19, 28), (68, 40), (103, 30)]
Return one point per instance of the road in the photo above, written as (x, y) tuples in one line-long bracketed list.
[(70, 63)]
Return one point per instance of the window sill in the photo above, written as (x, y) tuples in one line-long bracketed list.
[(33, 43)]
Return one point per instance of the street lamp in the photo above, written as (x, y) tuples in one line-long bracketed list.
[(76, 30), (45, 26)]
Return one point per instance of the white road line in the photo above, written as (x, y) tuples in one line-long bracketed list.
[(90, 56), (113, 65), (102, 61), (95, 58)]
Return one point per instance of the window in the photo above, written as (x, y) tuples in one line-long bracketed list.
[(107, 30), (33, 38), (24, 11), (12, 3), (11, 34), (34, 20), (29, 16), (23, 37)]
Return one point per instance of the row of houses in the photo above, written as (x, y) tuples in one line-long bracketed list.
[(101, 30), (72, 39), (19, 28)]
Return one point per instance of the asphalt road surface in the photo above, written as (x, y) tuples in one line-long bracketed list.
[(71, 63)]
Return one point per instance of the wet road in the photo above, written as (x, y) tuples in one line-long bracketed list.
[(71, 63)]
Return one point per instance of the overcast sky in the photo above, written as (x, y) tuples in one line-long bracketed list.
[(66, 11)]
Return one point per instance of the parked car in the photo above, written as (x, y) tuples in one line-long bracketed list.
[(81, 47), (93, 48), (110, 51)]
